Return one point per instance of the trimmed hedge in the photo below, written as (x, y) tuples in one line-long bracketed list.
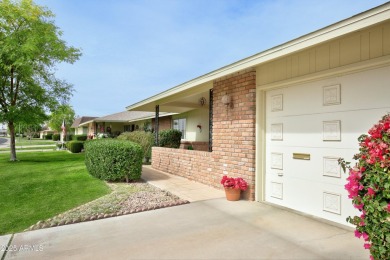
[(113, 159), (56, 137), (79, 137), (48, 137), (170, 138), (144, 139), (75, 146)]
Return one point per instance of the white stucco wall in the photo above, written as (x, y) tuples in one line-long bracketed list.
[(194, 118)]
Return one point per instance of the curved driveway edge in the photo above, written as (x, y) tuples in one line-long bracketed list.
[(209, 229)]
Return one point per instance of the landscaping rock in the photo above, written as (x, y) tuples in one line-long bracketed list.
[(126, 198)]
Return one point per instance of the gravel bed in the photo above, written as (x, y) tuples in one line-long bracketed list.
[(125, 198)]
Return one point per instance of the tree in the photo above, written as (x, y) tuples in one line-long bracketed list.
[(62, 112), (30, 130), (30, 47)]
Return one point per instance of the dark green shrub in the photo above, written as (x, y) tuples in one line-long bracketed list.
[(144, 139), (56, 137), (113, 159), (75, 146), (48, 137), (79, 137), (69, 137), (170, 138)]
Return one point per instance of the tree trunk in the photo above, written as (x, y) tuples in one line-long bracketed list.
[(11, 128)]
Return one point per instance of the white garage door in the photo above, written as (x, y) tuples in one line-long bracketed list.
[(309, 126)]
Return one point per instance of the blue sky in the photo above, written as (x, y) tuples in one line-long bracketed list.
[(133, 49)]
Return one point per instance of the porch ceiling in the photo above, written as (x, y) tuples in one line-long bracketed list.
[(180, 102)]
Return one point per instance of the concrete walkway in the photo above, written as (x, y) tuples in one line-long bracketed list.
[(182, 187), (204, 229)]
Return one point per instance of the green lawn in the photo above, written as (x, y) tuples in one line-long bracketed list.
[(42, 185), (25, 142), (29, 148)]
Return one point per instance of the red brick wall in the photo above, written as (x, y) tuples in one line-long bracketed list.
[(193, 165), (163, 123), (234, 127), (233, 138), (198, 146)]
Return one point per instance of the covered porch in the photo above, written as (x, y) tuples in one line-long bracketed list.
[(216, 114)]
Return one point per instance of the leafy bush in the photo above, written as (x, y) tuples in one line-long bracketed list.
[(369, 188), (48, 137), (170, 138), (56, 137), (144, 139), (75, 146), (79, 137), (113, 159)]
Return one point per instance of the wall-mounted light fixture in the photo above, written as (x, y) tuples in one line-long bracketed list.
[(200, 127), (226, 100)]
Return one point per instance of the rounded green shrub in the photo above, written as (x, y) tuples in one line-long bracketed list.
[(144, 139), (79, 137), (75, 146), (113, 159), (170, 138), (56, 137), (48, 137)]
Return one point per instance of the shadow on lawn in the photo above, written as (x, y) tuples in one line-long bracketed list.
[(48, 157)]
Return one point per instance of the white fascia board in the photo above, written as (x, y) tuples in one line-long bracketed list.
[(354, 23), (151, 117)]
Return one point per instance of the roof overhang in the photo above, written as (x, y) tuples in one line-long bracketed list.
[(97, 120), (86, 123), (202, 83)]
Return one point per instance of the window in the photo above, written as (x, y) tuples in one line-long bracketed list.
[(180, 124), (126, 128)]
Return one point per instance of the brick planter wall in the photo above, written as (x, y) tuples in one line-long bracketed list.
[(198, 146), (233, 138), (193, 165)]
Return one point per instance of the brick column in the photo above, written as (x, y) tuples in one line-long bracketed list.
[(234, 127)]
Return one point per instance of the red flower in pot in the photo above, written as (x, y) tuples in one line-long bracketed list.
[(233, 187)]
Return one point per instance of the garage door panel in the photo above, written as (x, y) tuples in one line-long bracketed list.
[(310, 130), (299, 121), (321, 166), (322, 200), (357, 91)]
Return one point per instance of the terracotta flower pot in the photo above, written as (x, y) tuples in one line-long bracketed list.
[(232, 194)]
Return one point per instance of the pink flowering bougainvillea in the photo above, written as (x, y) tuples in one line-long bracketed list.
[(234, 183), (368, 185)]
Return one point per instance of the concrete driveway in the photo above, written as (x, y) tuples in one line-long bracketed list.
[(4, 142), (209, 229)]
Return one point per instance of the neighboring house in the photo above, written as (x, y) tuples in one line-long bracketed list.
[(81, 130), (281, 118), (125, 121), (46, 131)]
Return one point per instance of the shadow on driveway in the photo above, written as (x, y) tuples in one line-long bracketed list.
[(4, 141), (210, 229)]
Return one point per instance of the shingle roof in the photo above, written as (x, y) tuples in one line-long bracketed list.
[(81, 120)]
